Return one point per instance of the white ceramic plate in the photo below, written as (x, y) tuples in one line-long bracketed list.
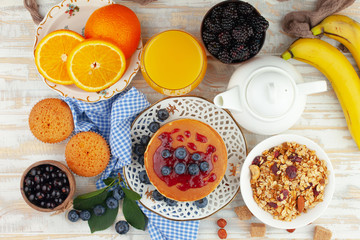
[(247, 193), (219, 119), (72, 15)]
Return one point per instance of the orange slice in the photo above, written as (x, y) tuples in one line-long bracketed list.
[(94, 65), (52, 52)]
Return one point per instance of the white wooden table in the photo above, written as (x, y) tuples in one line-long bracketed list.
[(21, 87)]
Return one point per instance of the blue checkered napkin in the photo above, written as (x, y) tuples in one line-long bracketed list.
[(112, 119), (163, 229)]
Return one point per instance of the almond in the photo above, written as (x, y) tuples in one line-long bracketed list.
[(300, 203)]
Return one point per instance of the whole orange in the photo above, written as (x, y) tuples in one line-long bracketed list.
[(117, 24)]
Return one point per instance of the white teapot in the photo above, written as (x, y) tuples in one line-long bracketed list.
[(266, 95)]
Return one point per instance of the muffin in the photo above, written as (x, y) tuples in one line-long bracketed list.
[(51, 120), (87, 154), (185, 160)]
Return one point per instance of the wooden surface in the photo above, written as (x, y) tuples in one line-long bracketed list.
[(21, 87)]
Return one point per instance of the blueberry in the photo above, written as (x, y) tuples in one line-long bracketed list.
[(85, 215), (58, 201), (141, 160), (144, 140), (118, 193), (196, 157), (180, 153), (204, 166), (165, 170), (166, 153), (65, 190), (73, 216), (29, 182), (201, 203), (154, 126), (32, 172), (193, 169), (162, 114), (49, 168), (157, 196), (144, 177), (99, 210), (112, 203), (31, 197), (180, 168), (121, 227), (170, 202), (139, 149)]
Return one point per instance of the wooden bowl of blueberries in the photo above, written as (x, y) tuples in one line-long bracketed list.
[(233, 31), (47, 186)]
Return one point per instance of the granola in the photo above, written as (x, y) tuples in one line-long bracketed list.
[(292, 180)]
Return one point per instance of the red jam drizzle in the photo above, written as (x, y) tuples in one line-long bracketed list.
[(184, 181), (192, 146), (201, 138), (215, 158), (180, 138), (187, 134)]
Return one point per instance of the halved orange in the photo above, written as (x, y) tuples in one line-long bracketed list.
[(94, 65), (52, 52)]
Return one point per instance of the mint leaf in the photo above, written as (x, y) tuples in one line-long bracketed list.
[(89, 200), (131, 194), (109, 181), (133, 214), (99, 223)]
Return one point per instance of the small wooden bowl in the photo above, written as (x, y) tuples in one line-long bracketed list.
[(69, 175)]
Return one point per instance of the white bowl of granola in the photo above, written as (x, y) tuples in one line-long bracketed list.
[(287, 181)]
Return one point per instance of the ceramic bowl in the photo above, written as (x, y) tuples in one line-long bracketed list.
[(69, 176), (224, 3), (247, 193)]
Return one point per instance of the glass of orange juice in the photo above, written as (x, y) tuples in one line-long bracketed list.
[(173, 62)]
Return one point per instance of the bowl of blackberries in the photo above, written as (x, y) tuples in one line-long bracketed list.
[(47, 186), (233, 31)]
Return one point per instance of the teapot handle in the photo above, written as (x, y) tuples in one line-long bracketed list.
[(312, 87)]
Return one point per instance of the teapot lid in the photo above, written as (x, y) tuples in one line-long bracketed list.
[(270, 92)]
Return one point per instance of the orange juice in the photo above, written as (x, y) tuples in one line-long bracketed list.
[(173, 62)]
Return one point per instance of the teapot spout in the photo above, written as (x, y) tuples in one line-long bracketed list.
[(229, 99)]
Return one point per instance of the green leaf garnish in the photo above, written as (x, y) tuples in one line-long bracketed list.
[(89, 200), (131, 194), (133, 214), (109, 181), (99, 223)]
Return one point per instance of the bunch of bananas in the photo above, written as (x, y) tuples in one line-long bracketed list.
[(334, 65)]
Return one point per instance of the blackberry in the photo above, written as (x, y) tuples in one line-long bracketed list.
[(258, 35), (245, 8), (236, 54), (217, 12), (239, 52), (259, 23), (254, 46), (224, 56), (224, 38), (208, 36), (242, 33), (230, 11), (227, 23), (212, 25), (214, 48)]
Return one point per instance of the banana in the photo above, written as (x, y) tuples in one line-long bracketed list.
[(342, 29), (338, 70)]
